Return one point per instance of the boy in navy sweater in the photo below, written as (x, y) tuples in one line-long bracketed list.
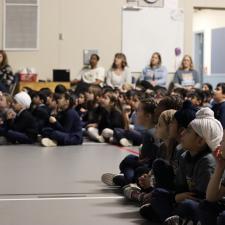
[(196, 165), (219, 107), (40, 110), (66, 129)]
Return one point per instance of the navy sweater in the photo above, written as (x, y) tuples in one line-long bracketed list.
[(41, 114), (24, 123), (219, 111), (68, 121), (110, 119)]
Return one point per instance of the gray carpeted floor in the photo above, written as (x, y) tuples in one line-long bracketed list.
[(61, 186)]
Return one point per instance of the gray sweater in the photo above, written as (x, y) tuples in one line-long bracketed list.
[(186, 78), (194, 172)]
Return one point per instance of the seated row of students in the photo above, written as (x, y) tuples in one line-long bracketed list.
[(55, 119), (175, 182), (106, 114)]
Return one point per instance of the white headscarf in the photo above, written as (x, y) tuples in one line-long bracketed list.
[(207, 127), (23, 98)]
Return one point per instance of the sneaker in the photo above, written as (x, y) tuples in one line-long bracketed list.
[(100, 139), (176, 220), (132, 186), (125, 142), (107, 178), (47, 142), (133, 194)]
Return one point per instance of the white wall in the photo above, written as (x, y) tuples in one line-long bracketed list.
[(84, 24), (204, 21)]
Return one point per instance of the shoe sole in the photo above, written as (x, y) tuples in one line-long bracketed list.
[(47, 143), (107, 179)]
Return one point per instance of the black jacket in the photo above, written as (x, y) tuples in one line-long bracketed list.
[(24, 123)]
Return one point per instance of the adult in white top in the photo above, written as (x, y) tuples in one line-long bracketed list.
[(119, 76), (92, 74)]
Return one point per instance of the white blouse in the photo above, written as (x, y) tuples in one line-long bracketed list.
[(117, 81)]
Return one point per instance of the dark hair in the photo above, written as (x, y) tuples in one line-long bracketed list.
[(29, 91), (67, 96), (46, 91), (95, 89), (41, 96), (210, 87), (198, 93), (160, 91), (110, 92), (131, 94), (95, 55), (114, 101), (182, 92), (124, 60), (160, 59), (60, 89), (149, 105), (208, 95), (171, 102), (222, 85), (5, 58)]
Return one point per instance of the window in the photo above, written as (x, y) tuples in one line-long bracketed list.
[(21, 19)]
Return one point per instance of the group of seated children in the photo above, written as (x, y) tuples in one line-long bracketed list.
[(178, 175)]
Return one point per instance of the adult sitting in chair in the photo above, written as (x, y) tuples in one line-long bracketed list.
[(90, 75)]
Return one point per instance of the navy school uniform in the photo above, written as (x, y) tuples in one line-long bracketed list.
[(192, 175), (23, 129), (110, 119), (133, 166), (41, 114), (219, 112), (67, 130), (134, 135), (93, 114), (213, 212), (164, 168)]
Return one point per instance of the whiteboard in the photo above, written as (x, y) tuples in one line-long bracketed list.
[(152, 30)]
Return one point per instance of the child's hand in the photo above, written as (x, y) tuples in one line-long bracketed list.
[(144, 181), (183, 196), (52, 119), (10, 115), (83, 110)]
